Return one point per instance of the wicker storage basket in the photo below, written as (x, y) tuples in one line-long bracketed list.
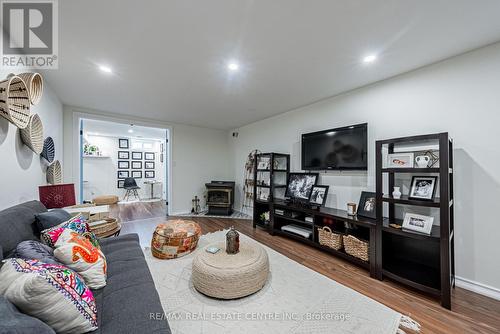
[(14, 101), (54, 173), (329, 238), (107, 225), (34, 84), (32, 135), (356, 247), (49, 150)]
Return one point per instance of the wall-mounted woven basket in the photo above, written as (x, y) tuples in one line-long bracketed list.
[(34, 83), (49, 150), (32, 135), (14, 101), (54, 173)]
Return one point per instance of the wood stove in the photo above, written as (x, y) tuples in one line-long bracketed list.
[(220, 197)]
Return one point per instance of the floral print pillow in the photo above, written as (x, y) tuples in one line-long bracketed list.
[(77, 224)]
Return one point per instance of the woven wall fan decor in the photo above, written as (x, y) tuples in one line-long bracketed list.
[(32, 135), (49, 149), (34, 84), (54, 173), (14, 101)]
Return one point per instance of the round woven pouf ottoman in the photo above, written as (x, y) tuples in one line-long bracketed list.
[(230, 276), (175, 239)]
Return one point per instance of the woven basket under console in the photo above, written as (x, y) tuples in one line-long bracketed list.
[(34, 84), (328, 238), (356, 247), (32, 135), (54, 173), (14, 101)]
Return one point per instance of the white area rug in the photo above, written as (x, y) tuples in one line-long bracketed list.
[(295, 299)]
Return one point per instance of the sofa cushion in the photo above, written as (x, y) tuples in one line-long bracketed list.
[(54, 294), (15, 322), (18, 224), (77, 224), (51, 218), (34, 249), (128, 279)]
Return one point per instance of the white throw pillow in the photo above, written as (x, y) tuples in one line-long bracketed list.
[(78, 253), (52, 293)]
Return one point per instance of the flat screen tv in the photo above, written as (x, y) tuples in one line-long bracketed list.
[(336, 149), (300, 185)]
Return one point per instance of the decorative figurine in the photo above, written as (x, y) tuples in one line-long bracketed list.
[(232, 241), (196, 205)]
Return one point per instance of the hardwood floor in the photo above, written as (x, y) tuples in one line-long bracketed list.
[(471, 312)]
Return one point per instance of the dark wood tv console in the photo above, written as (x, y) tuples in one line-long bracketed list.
[(362, 228)]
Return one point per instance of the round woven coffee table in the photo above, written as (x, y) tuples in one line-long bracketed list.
[(230, 276)]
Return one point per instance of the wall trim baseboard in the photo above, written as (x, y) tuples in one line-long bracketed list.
[(477, 287)]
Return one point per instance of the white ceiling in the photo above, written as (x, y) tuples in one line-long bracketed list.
[(112, 129), (169, 57)]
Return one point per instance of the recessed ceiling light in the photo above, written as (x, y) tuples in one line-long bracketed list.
[(105, 69), (233, 66), (369, 59)]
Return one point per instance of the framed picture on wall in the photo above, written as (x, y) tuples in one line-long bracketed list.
[(120, 184), (161, 158), (123, 155), (123, 165), (123, 174), (137, 174), (136, 155), (149, 156), (136, 164), (122, 143), (149, 165), (149, 174)]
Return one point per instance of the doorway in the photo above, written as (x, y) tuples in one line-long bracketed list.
[(116, 155)]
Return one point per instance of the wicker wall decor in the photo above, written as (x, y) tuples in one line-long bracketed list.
[(32, 135), (49, 150), (34, 84), (14, 101), (54, 173)]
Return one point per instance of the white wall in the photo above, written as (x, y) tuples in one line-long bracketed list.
[(461, 96), (198, 155), (22, 171), (100, 173)]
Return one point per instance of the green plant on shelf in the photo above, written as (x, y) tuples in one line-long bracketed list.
[(264, 217)]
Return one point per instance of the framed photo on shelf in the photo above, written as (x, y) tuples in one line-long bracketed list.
[(124, 155), (120, 184), (264, 163), (136, 164), (137, 174), (367, 205), (149, 156), (418, 223), (318, 195), (263, 194), (149, 174), (123, 174), (123, 165), (123, 143), (423, 187), (149, 165), (299, 186), (400, 160), (136, 155)]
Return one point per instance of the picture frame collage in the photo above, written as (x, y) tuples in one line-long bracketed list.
[(135, 164)]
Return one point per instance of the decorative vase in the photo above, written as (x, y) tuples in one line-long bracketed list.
[(422, 161), (396, 193), (232, 241)]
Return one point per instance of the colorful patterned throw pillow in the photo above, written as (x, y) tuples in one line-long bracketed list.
[(78, 253), (77, 224), (52, 293)]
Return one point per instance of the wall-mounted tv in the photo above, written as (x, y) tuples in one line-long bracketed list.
[(336, 149)]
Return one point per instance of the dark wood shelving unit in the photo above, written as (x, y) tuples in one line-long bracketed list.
[(423, 262), (261, 206)]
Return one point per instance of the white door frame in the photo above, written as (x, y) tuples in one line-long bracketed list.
[(78, 115)]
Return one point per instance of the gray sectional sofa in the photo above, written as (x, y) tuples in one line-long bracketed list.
[(126, 303)]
